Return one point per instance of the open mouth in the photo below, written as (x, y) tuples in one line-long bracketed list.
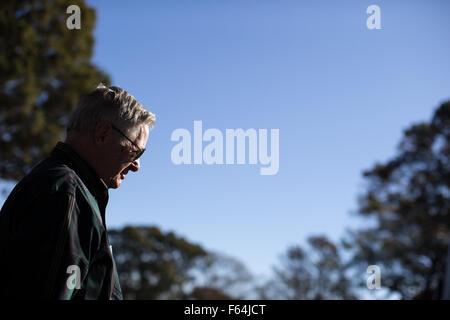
[(123, 174)]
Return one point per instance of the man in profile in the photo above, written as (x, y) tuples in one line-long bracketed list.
[(53, 240)]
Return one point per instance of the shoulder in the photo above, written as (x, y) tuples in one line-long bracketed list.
[(62, 179), (49, 177)]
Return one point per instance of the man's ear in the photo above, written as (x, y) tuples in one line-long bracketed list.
[(102, 133)]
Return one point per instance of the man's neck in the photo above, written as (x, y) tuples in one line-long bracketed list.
[(83, 148)]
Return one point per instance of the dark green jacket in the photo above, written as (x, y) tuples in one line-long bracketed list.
[(53, 240)]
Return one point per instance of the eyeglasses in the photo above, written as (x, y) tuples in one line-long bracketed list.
[(139, 153)]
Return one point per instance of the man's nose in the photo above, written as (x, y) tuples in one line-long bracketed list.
[(135, 165)]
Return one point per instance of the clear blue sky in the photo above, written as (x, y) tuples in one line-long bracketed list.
[(340, 95)]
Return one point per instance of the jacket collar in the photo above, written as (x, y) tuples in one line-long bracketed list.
[(87, 174)]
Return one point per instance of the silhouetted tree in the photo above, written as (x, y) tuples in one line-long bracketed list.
[(293, 279), (206, 293), (408, 202), (330, 280), (225, 274), (44, 69), (153, 264), (317, 273)]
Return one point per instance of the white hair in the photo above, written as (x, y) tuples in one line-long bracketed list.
[(108, 103)]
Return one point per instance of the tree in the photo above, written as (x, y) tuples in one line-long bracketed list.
[(153, 264), (157, 265), (331, 280), (44, 70), (293, 279), (317, 273), (219, 275), (408, 198), (207, 293)]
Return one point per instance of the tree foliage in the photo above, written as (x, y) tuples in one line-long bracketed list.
[(317, 273), (224, 274), (44, 70), (157, 265), (153, 264), (408, 198), (207, 293)]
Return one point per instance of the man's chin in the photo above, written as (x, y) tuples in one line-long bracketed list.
[(114, 183)]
